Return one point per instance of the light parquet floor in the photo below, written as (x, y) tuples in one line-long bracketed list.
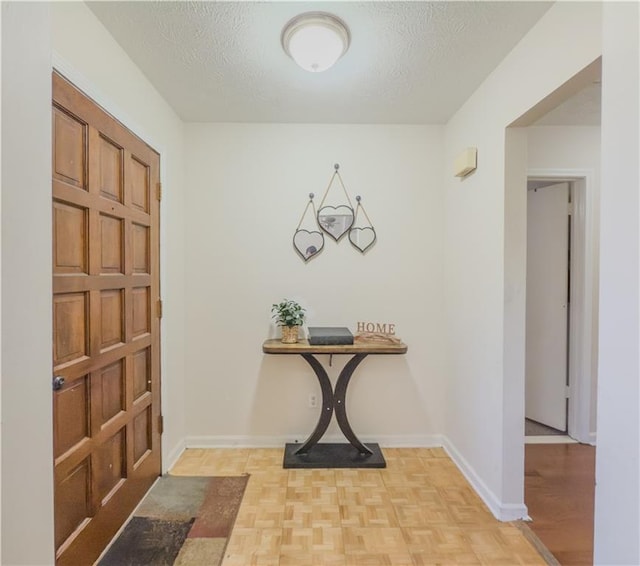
[(419, 511)]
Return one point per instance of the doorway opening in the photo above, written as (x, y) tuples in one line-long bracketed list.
[(559, 465), (548, 319), (559, 359), (556, 154)]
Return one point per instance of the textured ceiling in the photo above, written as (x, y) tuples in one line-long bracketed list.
[(409, 62)]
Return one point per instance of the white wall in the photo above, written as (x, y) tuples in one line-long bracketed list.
[(247, 186), (564, 147), (484, 271), (617, 506), (79, 41), (0, 304), (27, 451), (571, 149)]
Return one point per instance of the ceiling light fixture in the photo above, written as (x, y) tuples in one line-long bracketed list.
[(315, 40)]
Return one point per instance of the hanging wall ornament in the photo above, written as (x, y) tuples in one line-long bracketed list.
[(336, 220), (308, 243), (363, 237)]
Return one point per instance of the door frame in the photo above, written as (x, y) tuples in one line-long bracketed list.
[(583, 311), (62, 66)]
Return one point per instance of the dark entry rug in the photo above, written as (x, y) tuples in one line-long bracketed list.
[(182, 521)]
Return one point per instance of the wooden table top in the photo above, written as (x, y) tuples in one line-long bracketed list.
[(275, 346)]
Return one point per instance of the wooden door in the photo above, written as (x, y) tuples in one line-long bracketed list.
[(547, 305), (106, 332)]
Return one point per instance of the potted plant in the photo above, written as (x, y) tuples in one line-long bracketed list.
[(289, 315)]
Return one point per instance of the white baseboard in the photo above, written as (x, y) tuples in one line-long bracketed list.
[(550, 439), (172, 456), (592, 438), (501, 511), (390, 441)]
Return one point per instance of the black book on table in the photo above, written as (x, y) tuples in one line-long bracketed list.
[(330, 336)]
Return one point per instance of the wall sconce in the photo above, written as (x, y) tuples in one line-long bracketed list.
[(466, 162)]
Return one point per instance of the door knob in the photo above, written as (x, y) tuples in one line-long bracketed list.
[(58, 382)]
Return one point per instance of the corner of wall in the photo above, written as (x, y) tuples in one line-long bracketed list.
[(501, 511), (173, 455)]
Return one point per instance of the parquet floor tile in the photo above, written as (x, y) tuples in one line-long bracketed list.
[(406, 464), (380, 559), (254, 542), (445, 544), (261, 516), (471, 515), (431, 452), (456, 495), (212, 462), (313, 495), (270, 479), (368, 516), (312, 540), (399, 478), (312, 478), (304, 515), (494, 545), (251, 560), (422, 515), (307, 559), (359, 478), (418, 511), (401, 495), (374, 540), (363, 496), (263, 458), (258, 494)]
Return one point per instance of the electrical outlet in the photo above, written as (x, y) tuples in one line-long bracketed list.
[(313, 400)]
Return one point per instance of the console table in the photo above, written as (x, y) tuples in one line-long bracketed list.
[(311, 454)]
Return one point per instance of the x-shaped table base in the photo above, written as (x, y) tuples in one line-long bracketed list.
[(333, 401)]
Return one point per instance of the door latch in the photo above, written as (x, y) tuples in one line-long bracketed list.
[(58, 382)]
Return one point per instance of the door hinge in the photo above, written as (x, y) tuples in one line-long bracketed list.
[(570, 208), (160, 424), (159, 191), (159, 308), (567, 392)]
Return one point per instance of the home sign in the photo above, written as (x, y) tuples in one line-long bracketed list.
[(378, 327)]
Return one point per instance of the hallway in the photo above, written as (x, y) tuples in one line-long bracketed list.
[(559, 493)]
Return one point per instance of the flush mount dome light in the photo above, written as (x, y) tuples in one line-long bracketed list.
[(315, 40)]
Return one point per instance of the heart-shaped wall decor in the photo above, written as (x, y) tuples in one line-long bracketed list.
[(308, 244), (336, 221), (362, 238)]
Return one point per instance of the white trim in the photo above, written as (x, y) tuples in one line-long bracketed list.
[(240, 441), (173, 456), (501, 511), (582, 341), (550, 439)]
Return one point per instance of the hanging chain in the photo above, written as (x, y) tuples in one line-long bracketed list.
[(326, 192), (360, 206), (313, 206)]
